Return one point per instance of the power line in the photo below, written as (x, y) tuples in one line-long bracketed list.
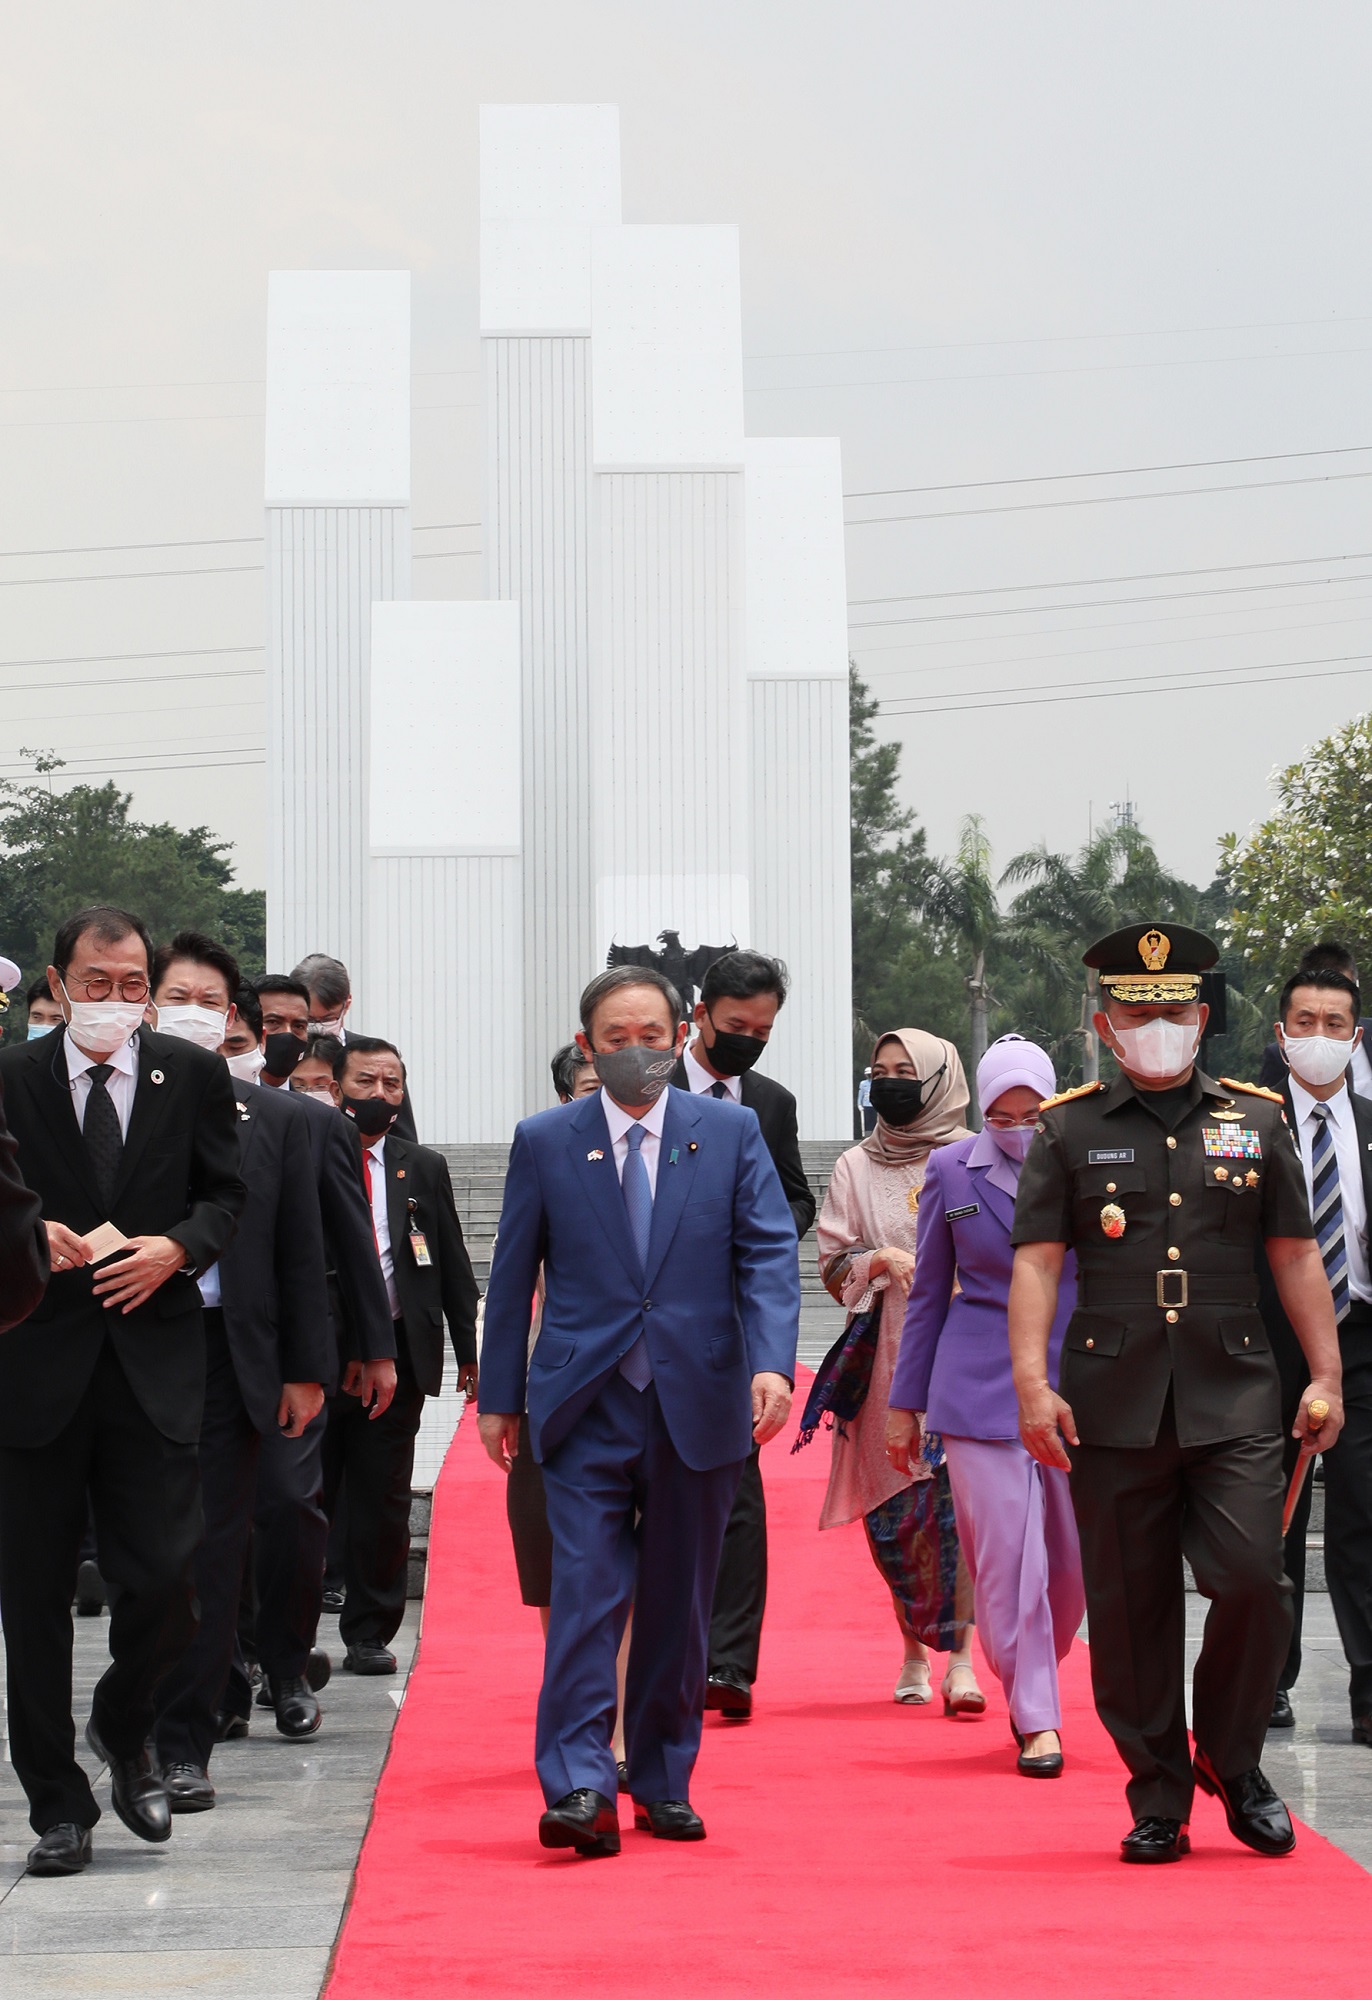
[(89, 766), (1102, 603), (209, 542), (94, 659), (187, 417), (1132, 576), (1109, 499), (1122, 694), (1028, 374), (129, 575), (1053, 339), (1110, 472), (1220, 677), (140, 680)]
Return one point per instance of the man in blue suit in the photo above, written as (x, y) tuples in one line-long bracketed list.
[(667, 1347)]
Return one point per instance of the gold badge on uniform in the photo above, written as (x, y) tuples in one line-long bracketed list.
[(1112, 1220), (912, 1201), (1153, 950)]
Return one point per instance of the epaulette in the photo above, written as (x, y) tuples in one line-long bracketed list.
[(1066, 1096), (1253, 1090)]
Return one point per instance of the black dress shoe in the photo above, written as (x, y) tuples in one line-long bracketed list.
[(1362, 1728), (297, 1711), (318, 1669), (669, 1819), (1255, 1814), (585, 1820), (334, 1600), (230, 1728), (136, 1792), (1049, 1765), (622, 1774), (1283, 1716), (728, 1691), (90, 1591), (62, 1850), (1156, 1840), (188, 1788), (367, 1657), (260, 1680)]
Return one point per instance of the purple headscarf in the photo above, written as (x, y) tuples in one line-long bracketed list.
[(1010, 1061)]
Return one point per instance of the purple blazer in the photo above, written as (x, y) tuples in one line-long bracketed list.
[(954, 1361)]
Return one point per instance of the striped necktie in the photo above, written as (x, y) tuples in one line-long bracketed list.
[(1327, 1210)]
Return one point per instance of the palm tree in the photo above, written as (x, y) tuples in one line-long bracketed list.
[(959, 896)]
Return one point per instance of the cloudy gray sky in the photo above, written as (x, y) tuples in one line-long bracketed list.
[(988, 245)]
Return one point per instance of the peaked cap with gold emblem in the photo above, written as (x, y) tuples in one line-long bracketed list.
[(1152, 965)]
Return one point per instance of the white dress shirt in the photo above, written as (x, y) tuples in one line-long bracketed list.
[(381, 1221), (1346, 1151), (619, 1122), (120, 1084), (703, 1084)]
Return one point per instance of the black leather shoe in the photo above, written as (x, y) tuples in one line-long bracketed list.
[(1362, 1728), (622, 1775), (230, 1728), (188, 1788), (1283, 1716), (585, 1820), (62, 1850), (369, 1658), (1049, 1765), (334, 1600), (297, 1711), (669, 1819), (261, 1681), (136, 1792), (1156, 1840), (728, 1691), (90, 1591), (1255, 1814), (318, 1669)]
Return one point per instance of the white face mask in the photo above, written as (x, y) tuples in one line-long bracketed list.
[(201, 1025), (247, 1067), (333, 1026), (103, 1025), (1159, 1048), (1317, 1059)]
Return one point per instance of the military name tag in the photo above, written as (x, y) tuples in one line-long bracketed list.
[(1235, 1143), (419, 1245), (1110, 1156), (957, 1214)]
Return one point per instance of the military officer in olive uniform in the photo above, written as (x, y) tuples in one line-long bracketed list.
[(1162, 1182)]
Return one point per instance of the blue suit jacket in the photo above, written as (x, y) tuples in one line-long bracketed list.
[(718, 1302), (954, 1360)]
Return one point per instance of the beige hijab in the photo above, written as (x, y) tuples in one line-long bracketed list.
[(940, 1120)]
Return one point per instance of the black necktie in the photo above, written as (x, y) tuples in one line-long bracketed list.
[(104, 1140), (719, 1089)]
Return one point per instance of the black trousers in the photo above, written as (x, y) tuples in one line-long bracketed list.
[(193, 1692), (741, 1586), (1348, 1509), (145, 1491), (1138, 1512), (290, 1533), (376, 1458)]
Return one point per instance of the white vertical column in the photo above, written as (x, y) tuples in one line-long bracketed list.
[(798, 727), (446, 889), (549, 173), (670, 822), (337, 540)]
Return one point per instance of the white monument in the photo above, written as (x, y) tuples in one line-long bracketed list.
[(644, 728)]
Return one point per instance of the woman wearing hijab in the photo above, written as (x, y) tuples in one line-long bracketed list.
[(866, 1239), (1014, 1516)]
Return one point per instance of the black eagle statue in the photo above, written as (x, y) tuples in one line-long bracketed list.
[(684, 968)]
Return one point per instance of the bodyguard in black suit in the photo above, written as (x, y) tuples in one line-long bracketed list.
[(1320, 1034), (269, 1354), (1329, 955), (105, 1380), (429, 1278), (23, 1239), (741, 996)]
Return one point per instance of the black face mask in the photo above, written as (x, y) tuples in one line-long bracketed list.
[(282, 1052), (898, 1100), (371, 1115), (731, 1055)]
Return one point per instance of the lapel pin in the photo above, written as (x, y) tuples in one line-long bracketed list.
[(693, 1148), (400, 1173), (156, 1076), (595, 1154), (676, 1154)]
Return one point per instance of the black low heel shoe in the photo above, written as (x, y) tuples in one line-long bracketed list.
[(1048, 1766)]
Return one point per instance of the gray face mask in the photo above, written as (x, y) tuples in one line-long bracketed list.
[(635, 1075)]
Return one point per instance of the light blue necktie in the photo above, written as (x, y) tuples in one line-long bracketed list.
[(1327, 1210), (636, 1368)]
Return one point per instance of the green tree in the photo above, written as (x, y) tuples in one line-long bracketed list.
[(959, 897), (1306, 873), (60, 850)]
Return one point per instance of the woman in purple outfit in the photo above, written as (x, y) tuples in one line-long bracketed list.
[(1015, 1520)]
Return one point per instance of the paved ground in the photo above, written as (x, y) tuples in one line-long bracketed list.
[(244, 1902)]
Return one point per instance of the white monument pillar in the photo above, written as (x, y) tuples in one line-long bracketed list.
[(798, 733), (337, 540), (446, 928), (549, 173), (669, 815)]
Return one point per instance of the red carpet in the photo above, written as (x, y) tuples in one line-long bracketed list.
[(855, 1848)]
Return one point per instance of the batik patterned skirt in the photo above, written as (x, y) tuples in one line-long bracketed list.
[(914, 1542)]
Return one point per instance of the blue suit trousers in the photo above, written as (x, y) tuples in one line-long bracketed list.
[(631, 1524)]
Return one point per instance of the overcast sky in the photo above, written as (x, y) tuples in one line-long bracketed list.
[(988, 245)]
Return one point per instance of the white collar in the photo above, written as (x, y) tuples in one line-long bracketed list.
[(619, 1121), (377, 1148), (124, 1058), (708, 1079), (1338, 1106)]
